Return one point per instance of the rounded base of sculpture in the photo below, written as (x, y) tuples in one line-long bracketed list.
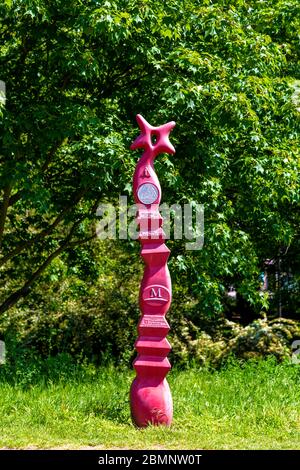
[(151, 402)]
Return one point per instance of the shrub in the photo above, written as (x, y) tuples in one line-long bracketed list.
[(260, 339)]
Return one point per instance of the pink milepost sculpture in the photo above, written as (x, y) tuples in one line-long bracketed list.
[(150, 396)]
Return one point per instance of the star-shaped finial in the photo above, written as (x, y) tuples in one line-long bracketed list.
[(161, 134)]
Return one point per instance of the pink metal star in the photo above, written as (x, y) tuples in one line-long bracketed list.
[(161, 133)]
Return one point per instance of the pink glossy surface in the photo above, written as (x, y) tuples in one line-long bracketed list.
[(150, 396)]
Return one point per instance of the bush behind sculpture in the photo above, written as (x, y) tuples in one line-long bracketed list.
[(76, 74)]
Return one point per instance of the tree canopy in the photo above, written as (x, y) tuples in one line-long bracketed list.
[(76, 75)]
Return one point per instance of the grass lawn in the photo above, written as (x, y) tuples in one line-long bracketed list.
[(254, 406)]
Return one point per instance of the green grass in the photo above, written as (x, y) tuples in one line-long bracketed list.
[(254, 406)]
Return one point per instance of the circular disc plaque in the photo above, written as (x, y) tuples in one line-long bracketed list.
[(147, 193)]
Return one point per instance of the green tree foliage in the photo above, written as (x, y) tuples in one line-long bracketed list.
[(76, 74)]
